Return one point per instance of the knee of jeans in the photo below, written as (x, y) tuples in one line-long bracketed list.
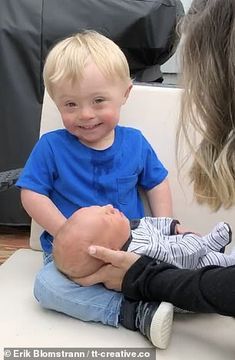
[(40, 292), (37, 289)]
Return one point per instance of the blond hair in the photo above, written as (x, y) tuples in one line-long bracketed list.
[(208, 101), (68, 58)]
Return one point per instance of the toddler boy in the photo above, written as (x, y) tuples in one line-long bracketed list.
[(92, 161)]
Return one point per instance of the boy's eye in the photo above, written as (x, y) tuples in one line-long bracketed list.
[(99, 100), (71, 104)]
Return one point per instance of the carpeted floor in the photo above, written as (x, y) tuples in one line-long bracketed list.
[(12, 239)]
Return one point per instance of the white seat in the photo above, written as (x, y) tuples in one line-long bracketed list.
[(154, 110)]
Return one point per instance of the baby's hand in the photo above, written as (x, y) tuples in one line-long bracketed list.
[(179, 229)]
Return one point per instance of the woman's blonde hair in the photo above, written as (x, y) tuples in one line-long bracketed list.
[(68, 58), (208, 101)]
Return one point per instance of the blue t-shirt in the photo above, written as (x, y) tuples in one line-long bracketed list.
[(73, 175)]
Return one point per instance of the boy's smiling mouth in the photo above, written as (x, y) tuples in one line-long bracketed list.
[(89, 127)]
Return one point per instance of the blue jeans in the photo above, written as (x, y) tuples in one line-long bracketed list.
[(55, 291)]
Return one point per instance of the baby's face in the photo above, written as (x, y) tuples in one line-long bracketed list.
[(103, 225)]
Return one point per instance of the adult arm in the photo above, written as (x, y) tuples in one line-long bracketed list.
[(207, 290)]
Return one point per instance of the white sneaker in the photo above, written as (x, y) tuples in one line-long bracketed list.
[(155, 321)]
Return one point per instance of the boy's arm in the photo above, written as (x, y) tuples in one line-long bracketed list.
[(159, 199), (42, 210)]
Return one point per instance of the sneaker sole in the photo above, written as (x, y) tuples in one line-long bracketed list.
[(161, 325)]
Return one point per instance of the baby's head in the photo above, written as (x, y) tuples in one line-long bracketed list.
[(68, 59), (94, 225)]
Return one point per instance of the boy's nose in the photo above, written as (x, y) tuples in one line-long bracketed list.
[(86, 113)]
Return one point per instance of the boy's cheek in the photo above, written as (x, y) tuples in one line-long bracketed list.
[(68, 120)]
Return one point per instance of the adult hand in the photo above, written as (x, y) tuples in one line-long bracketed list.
[(112, 274)]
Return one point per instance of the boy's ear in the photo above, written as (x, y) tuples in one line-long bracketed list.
[(127, 93)]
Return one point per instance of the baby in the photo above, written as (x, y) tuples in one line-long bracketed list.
[(154, 237)]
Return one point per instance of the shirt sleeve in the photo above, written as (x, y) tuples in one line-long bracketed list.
[(40, 170), (165, 225), (207, 290), (154, 172)]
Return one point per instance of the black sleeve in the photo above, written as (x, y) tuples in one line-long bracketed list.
[(207, 290)]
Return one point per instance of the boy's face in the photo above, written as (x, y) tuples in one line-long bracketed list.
[(90, 107)]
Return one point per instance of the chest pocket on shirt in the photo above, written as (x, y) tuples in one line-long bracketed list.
[(127, 188)]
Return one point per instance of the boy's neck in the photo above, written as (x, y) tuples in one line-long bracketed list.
[(103, 143)]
